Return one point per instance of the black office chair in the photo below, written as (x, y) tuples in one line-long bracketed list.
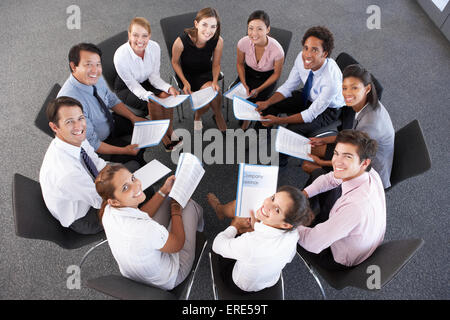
[(284, 37), (223, 292), (411, 156), (34, 221), (172, 28), (343, 60), (125, 289), (390, 257), (41, 121), (108, 48)]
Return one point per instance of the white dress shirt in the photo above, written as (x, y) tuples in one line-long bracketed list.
[(134, 70), (261, 255), (326, 89), (135, 240), (67, 186)]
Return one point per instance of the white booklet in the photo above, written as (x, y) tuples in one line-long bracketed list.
[(170, 101), (255, 184), (187, 177), (245, 110), (149, 133), (292, 144), (238, 90), (151, 172), (202, 97)]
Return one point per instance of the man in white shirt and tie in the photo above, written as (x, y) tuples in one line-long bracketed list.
[(319, 103), (69, 169)]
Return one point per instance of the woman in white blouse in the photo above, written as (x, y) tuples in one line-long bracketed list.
[(145, 247), (268, 242), (137, 63)]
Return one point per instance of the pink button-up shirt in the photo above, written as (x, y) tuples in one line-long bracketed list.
[(272, 52), (357, 221)]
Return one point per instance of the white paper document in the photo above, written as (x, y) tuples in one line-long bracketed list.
[(245, 110), (238, 90), (149, 133), (255, 184), (151, 173), (170, 101), (201, 98), (187, 177), (292, 144)]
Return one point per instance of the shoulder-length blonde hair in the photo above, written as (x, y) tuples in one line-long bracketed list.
[(202, 14)]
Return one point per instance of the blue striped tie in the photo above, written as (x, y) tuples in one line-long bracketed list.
[(105, 110), (307, 87), (89, 163)]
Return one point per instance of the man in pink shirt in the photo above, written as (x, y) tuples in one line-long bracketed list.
[(357, 220)]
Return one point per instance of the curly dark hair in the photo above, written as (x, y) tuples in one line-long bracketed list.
[(323, 34)]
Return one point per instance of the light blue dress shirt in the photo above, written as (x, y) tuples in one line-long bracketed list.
[(326, 90), (97, 127)]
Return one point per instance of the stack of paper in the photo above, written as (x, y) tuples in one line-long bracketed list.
[(170, 101), (292, 144), (245, 110), (255, 184), (238, 90), (201, 98), (187, 177), (151, 172), (149, 133)]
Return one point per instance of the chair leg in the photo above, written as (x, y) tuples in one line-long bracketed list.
[(282, 284), (311, 270), (90, 250), (212, 279), (188, 292)]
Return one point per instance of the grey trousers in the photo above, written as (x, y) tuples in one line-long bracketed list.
[(192, 217)]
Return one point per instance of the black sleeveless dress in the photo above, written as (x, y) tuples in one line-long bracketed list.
[(196, 62)]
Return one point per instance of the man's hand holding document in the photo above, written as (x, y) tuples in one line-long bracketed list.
[(245, 110), (149, 133)]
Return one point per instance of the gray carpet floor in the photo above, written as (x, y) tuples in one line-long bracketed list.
[(409, 56)]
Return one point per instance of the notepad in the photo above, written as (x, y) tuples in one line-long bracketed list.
[(255, 184), (292, 144), (201, 98), (151, 173), (238, 90), (187, 177), (245, 110), (149, 133), (170, 101)]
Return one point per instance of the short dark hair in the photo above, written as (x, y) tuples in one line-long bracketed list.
[(54, 106), (259, 15), (299, 213), (323, 34), (366, 147), (74, 52), (357, 71)]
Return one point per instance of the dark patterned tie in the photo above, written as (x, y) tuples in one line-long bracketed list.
[(105, 110), (307, 88), (89, 163)]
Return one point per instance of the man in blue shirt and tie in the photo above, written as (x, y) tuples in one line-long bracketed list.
[(105, 130), (319, 103)]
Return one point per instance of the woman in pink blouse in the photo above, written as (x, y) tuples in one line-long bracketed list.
[(260, 59)]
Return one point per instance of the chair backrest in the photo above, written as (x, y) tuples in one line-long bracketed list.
[(108, 48), (224, 292), (344, 59), (172, 27), (122, 288), (390, 257), (283, 36), (34, 221), (41, 121), (411, 156)]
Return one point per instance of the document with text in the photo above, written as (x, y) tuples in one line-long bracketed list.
[(202, 97), (151, 173), (292, 144), (255, 184), (170, 101), (245, 110), (187, 177), (238, 90), (149, 133)]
